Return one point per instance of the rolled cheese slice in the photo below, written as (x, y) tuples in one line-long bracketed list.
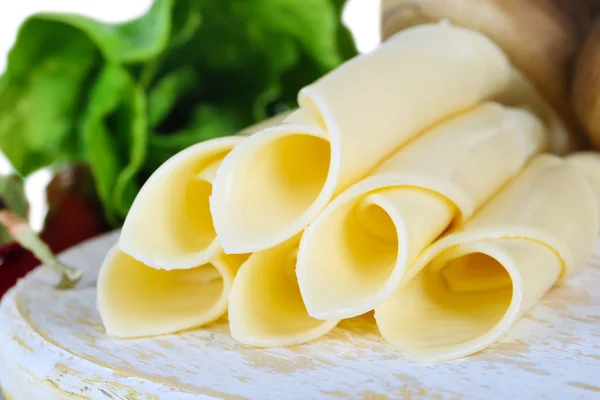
[(265, 306), (467, 289), (355, 253), (169, 225), (136, 300), (272, 186)]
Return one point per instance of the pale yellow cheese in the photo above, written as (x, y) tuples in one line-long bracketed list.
[(467, 289), (137, 300), (265, 306), (275, 183), (169, 225), (355, 253), (168, 272)]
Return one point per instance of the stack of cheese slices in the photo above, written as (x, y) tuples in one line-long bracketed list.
[(410, 181)]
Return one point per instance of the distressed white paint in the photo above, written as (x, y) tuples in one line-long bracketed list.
[(52, 346)]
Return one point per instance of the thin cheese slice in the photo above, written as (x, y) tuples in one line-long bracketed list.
[(274, 184), (169, 225), (355, 253), (265, 306), (466, 290), (137, 300)]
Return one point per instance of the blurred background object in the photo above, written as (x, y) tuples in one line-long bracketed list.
[(586, 86), (94, 97), (541, 38)]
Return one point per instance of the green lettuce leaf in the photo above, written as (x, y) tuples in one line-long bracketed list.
[(114, 129), (165, 94), (129, 42), (41, 92)]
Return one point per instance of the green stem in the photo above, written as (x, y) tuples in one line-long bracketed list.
[(28, 239)]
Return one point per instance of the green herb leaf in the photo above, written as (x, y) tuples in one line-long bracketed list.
[(115, 131), (163, 97), (313, 23), (41, 92), (130, 42)]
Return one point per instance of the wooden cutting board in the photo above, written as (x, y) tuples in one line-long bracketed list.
[(53, 346)]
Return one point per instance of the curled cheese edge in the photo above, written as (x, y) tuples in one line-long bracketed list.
[(169, 225), (265, 305), (467, 289), (355, 253), (136, 300)]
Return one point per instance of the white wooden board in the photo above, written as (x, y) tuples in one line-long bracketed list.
[(53, 346)]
